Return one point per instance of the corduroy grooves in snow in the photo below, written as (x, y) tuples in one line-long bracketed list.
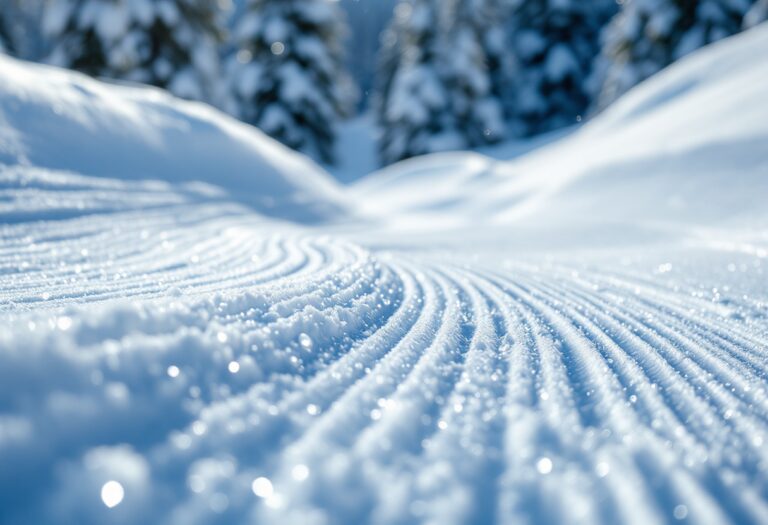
[(575, 336)]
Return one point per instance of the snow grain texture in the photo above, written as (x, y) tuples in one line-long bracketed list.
[(168, 355)]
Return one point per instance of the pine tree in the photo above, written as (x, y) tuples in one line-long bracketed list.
[(20, 28), (490, 19), (553, 44), (6, 38), (5, 41), (288, 77), (648, 35), (435, 92), (476, 109), (388, 57), (414, 112), (757, 14), (167, 43)]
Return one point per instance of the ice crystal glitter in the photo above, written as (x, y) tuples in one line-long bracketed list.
[(112, 494)]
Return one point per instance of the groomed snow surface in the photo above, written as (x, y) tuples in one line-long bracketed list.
[(579, 335)]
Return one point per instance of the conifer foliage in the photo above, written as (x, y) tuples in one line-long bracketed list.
[(414, 110), (6, 39), (437, 92), (491, 20), (553, 45), (451, 74), (288, 77), (5, 42), (172, 44), (757, 14), (648, 35), (475, 107)]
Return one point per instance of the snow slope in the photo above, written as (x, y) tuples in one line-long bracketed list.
[(61, 120), (689, 131), (584, 351)]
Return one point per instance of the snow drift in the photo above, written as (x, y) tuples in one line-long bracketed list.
[(61, 120), (663, 153)]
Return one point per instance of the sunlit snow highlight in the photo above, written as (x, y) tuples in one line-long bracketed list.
[(262, 487), (112, 494)]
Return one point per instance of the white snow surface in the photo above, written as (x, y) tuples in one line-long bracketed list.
[(578, 335), (60, 120), (664, 151)]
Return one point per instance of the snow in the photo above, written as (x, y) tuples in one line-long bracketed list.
[(662, 129), (575, 335), (67, 122)]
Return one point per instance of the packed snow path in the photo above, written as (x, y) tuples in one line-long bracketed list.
[(578, 336), (221, 367)]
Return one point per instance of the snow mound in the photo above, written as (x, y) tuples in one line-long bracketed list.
[(662, 153), (62, 120)]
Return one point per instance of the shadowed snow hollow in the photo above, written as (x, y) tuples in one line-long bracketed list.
[(61, 120)]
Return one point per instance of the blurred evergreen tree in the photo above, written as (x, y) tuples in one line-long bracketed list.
[(413, 102), (475, 106), (287, 76), (757, 14), (553, 44), (648, 35), (434, 87), (6, 41), (172, 44)]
